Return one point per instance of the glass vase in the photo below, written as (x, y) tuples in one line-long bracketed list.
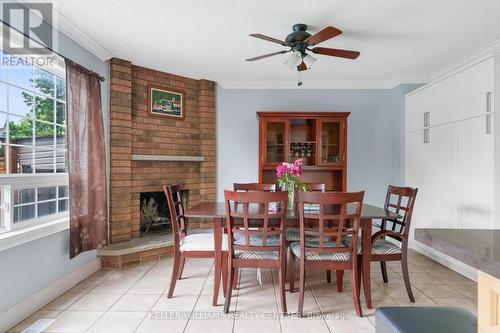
[(291, 198)]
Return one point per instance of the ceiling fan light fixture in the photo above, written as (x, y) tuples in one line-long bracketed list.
[(309, 60), (293, 60)]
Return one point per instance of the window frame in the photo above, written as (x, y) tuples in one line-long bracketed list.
[(15, 181)]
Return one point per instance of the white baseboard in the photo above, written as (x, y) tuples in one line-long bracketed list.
[(452, 263), (33, 303)]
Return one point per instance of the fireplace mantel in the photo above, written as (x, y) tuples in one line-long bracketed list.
[(170, 158)]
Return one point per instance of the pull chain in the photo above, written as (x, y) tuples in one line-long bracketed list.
[(299, 78)]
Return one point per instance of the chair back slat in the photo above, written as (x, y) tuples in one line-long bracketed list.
[(254, 187), (337, 216), (255, 213), (315, 187), (400, 200), (176, 209)]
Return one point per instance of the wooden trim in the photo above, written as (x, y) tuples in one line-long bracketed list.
[(169, 158), (177, 91), (308, 115)]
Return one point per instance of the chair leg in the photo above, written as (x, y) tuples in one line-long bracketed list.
[(175, 274), (291, 274), (340, 280), (302, 287), (224, 273), (406, 276), (282, 281), (355, 286), (229, 287), (181, 268), (328, 276), (235, 279), (383, 268), (358, 275)]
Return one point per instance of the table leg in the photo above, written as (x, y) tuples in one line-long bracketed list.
[(366, 255), (217, 257)]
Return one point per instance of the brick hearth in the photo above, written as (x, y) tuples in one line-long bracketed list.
[(133, 132)]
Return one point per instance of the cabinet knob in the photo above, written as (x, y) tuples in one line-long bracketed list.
[(427, 119), (488, 124), (488, 101), (426, 135)]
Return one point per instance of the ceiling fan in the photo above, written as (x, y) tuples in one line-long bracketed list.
[(300, 41)]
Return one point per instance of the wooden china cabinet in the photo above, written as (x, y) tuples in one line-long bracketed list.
[(319, 138)]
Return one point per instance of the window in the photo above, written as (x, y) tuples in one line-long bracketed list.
[(33, 168)]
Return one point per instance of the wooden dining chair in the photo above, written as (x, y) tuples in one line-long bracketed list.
[(293, 235), (186, 245), (254, 187), (338, 217), (399, 200), (255, 223), (250, 187)]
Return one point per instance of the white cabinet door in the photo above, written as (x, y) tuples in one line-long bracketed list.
[(444, 100), (476, 160), (443, 177), (416, 165), (478, 83), (415, 159), (415, 106)]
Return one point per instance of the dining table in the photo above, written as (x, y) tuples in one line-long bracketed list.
[(216, 212)]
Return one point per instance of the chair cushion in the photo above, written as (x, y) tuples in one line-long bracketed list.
[(201, 242), (272, 255), (381, 246), (311, 255), (293, 235), (416, 319), (256, 240)]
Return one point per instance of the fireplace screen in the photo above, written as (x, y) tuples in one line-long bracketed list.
[(154, 212)]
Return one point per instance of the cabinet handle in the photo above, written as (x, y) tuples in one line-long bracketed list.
[(488, 124), (427, 119), (488, 101), (426, 135)]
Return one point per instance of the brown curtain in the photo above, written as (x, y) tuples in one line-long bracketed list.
[(88, 208)]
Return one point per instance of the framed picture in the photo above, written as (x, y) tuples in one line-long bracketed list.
[(165, 102)]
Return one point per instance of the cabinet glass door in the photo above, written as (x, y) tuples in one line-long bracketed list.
[(275, 141), (331, 150), (303, 141)]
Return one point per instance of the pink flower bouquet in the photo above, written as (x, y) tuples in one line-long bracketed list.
[(288, 178)]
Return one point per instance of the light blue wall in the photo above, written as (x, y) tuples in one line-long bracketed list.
[(375, 132), (30, 267)]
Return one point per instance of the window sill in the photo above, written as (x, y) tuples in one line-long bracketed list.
[(18, 237)]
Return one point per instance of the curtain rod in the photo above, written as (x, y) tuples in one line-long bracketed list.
[(101, 78)]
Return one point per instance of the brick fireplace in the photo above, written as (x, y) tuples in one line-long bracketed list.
[(142, 146)]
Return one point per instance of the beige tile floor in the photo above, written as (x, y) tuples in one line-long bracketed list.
[(134, 300)]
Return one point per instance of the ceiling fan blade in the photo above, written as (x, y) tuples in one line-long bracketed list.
[(269, 39), (325, 34), (302, 67), (336, 52), (266, 55)]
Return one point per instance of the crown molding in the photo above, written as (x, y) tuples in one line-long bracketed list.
[(471, 59), (387, 84), (68, 28)]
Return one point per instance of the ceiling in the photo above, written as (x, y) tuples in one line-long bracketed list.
[(399, 40)]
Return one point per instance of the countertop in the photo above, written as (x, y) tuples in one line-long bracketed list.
[(479, 248)]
